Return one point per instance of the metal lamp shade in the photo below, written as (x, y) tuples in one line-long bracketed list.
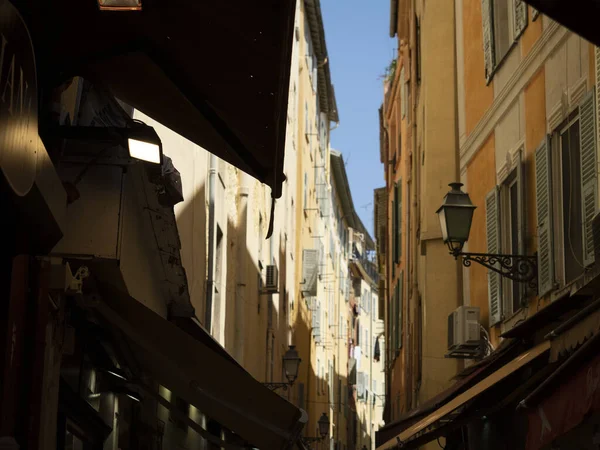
[(456, 216), (291, 364), (323, 425)]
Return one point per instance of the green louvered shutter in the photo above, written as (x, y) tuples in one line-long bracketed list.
[(543, 194), (589, 177), (488, 38), (492, 223), (399, 229), (520, 17)]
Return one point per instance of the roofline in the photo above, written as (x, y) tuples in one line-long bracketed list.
[(340, 179), (327, 100)]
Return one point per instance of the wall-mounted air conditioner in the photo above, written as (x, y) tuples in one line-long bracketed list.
[(464, 330), (271, 285)]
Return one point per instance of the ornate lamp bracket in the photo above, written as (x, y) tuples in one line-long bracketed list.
[(275, 386), (519, 268)]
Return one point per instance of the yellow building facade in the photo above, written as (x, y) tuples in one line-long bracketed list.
[(505, 103)]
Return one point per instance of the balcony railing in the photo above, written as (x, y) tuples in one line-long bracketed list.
[(367, 262)]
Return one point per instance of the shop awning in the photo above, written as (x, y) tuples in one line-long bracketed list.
[(507, 350), (565, 398), (580, 17), (197, 371), (214, 72), (457, 402)]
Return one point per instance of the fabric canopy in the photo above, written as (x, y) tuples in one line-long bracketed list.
[(479, 388), (214, 72), (197, 371)]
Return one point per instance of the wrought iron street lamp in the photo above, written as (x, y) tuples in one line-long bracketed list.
[(456, 217), (323, 424), (291, 365)]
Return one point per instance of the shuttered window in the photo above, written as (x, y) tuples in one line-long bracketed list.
[(520, 17), (403, 100), (503, 22), (543, 190), (301, 395), (492, 222), (589, 177), (394, 227)]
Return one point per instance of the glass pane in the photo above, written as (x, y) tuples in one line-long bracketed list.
[(501, 28), (571, 186)]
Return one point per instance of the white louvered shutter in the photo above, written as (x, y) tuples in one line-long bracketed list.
[(520, 170), (543, 193), (488, 37), (589, 177), (492, 223), (520, 17)]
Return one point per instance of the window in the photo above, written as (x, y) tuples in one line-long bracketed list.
[(567, 161), (403, 92), (505, 212), (503, 22), (501, 31), (306, 121), (568, 141), (305, 190)]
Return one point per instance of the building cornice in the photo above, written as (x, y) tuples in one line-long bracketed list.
[(550, 40)]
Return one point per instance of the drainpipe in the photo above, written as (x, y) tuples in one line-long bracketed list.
[(240, 321), (212, 176)]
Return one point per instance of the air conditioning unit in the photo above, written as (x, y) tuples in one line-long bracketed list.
[(271, 280), (464, 329)]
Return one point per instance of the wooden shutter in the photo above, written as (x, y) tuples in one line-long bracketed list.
[(520, 17), (543, 192), (589, 177), (520, 171), (492, 222), (488, 38), (394, 228), (399, 229), (301, 395), (399, 310)]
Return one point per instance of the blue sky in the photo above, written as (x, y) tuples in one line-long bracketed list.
[(359, 47)]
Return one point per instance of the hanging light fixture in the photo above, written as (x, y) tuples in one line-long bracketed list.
[(291, 364), (323, 426), (144, 144)]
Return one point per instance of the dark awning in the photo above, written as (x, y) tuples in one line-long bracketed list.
[(420, 429), (581, 16), (215, 72), (507, 350), (197, 369)]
